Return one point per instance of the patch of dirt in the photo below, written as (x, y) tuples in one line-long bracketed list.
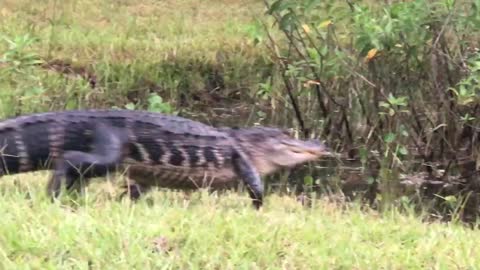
[(67, 68)]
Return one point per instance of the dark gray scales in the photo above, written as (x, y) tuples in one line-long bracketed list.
[(176, 156), (193, 154), (36, 144), (154, 150), (209, 154), (135, 152)]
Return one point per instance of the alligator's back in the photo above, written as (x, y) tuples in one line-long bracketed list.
[(30, 142)]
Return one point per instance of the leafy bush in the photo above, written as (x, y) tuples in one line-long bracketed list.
[(393, 85)]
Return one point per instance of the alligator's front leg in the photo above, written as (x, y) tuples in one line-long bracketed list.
[(107, 153), (245, 170)]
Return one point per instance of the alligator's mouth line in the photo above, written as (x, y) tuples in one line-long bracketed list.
[(313, 152), (307, 152)]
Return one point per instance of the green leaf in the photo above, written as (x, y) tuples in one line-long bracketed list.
[(390, 137), (403, 150), (384, 104), (313, 54), (308, 180), (279, 6), (451, 199), (275, 7), (287, 21), (130, 106), (324, 50)]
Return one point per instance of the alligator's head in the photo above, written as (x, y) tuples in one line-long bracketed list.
[(271, 149)]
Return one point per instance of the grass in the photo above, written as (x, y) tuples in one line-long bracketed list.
[(172, 48), (168, 230), (93, 30)]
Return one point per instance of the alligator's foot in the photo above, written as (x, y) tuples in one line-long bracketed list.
[(257, 199), (134, 191)]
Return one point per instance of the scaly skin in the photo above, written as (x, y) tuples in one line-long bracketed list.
[(154, 149)]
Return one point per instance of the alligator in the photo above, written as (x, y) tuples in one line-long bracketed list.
[(153, 149)]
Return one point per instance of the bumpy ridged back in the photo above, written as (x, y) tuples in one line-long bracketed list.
[(31, 141)]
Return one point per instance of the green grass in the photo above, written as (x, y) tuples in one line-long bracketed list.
[(168, 230), (93, 30), (134, 48)]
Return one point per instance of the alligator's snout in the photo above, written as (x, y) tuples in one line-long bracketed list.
[(310, 147), (305, 150), (317, 148)]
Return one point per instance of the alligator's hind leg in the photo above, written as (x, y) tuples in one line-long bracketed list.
[(134, 190), (107, 152), (250, 176)]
